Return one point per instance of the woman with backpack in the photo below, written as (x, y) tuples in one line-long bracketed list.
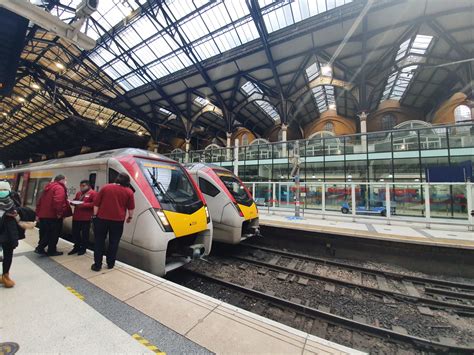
[(8, 231)]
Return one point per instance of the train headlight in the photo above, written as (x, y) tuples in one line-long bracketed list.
[(208, 216), (164, 221)]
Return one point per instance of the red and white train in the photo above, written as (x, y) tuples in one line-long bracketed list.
[(172, 224), (233, 210)]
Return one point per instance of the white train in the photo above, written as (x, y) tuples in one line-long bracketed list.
[(172, 224), (233, 211)]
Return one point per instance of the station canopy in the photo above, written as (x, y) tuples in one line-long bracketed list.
[(198, 69)]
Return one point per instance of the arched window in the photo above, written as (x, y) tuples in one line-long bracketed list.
[(388, 122), (245, 139), (329, 126), (462, 113)]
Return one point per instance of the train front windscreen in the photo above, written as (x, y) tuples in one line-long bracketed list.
[(171, 186), (235, 187)]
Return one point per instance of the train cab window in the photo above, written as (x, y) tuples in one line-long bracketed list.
[(92, 179), (112, 175), (207, 188)]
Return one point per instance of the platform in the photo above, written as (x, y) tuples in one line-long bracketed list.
[(445, 235), (60, 306)]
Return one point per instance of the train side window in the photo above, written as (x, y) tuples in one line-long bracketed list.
[(92, 179), (207, 188), (30, 192), (112, 175)]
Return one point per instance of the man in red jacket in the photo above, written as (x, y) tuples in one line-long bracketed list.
[(110, 209), (51, 208), (81, 219)]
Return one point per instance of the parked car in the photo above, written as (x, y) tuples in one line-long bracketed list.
[(374, 208)]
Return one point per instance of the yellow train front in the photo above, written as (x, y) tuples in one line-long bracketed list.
[(233, 211)]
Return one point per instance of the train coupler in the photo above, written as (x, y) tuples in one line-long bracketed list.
[(195, 251)]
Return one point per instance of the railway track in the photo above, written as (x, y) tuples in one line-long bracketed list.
[(434, 293), (417, 343)]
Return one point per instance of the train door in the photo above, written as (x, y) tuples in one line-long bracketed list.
[(213, 197), (22, 184)]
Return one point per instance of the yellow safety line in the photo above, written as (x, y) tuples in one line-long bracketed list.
[(146, 343), (75, 293)]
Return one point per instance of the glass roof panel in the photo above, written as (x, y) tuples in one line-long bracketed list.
[(255, 94), (410, 51), (210, 27), (324, 97)]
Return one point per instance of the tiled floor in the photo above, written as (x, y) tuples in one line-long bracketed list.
[(210, 323)]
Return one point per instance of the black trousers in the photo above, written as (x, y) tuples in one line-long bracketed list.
[(50, 229), (80, 234), (114, 229), (7, 257)]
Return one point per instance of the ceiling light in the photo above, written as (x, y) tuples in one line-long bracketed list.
[(417, 179), (35, 86), (282, 177), (332, 106), (5, 114), (21, 99), (381, 180), (140, 133), (326, 70), (60, 65), (390, 176), (314, 176), (349, 176), (100, 121)]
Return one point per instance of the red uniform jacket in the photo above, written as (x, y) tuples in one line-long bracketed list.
[(85, 211), (53, 202), (113, 201)]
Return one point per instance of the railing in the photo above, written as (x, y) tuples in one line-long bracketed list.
[(364, 146), (428, 202)]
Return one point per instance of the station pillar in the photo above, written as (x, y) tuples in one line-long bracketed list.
[(236, 157), (228, 146), (187, 147), (363, 130), (284, 146)]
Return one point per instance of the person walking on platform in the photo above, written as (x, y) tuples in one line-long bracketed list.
[(52, 207), (8, 232), (110, 211), (81, 219)]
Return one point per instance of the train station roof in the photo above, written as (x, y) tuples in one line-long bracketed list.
[(202, 68)]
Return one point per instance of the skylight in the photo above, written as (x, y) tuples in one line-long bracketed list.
[(410, 53), (281, 14), (324, 97), (255, 94), (109, 14), (209, 27), (201, 102)]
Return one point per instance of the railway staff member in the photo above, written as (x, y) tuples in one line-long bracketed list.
[(8, 232), (81, 218), (52, 207), (110, 210)]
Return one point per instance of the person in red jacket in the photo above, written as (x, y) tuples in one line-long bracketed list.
[(51, 208), (81, 219), (110, 211)]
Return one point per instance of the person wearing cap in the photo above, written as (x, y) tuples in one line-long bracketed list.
[(81, 219), (110, 212), (52, 207), (8, 232)]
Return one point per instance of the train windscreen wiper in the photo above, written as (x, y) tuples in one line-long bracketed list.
[(160, 187)]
